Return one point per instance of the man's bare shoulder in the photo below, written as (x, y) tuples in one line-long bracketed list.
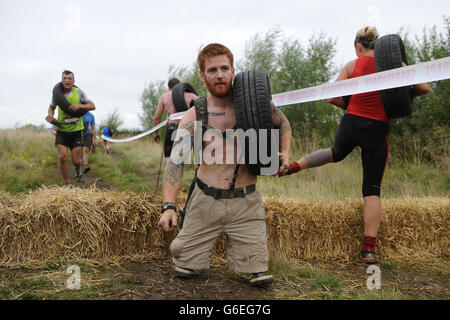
[(166, 99), (189, 116)]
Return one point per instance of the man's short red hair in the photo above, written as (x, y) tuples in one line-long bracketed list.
[(213, 50)]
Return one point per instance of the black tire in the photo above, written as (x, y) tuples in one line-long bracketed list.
[(178, 95), (346, 100), (389, 54), (252, 95), (61, 101)]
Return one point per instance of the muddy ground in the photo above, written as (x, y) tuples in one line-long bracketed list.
[(155, 280)]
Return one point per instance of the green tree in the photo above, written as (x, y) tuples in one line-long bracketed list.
[(261, 53), (290, 66), (113, 120), (150, 95), (425, 135), (149, 102)]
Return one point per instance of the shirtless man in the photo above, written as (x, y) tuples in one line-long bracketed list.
[(165, 103), (212, 208)]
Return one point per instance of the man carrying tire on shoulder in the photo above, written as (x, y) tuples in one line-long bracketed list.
[(224, 199), (69, 124), (166, 104)]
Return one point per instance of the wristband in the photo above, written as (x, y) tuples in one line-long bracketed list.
[(293, 168), (168, 205)]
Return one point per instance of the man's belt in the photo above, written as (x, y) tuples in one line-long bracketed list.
[(225, 194), (172, 126)]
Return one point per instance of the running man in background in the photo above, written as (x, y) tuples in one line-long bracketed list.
[(165, 104), (89, 139), (365, 124), (107, 132), (69, 129)]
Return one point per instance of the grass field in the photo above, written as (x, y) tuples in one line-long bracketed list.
[(29, 161)]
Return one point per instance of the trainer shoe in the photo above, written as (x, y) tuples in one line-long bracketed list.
[(78, 176), (184, 272), (369, 256), (260, 279)]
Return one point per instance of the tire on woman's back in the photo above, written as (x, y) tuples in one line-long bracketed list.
[(251, 94), (389, 54)]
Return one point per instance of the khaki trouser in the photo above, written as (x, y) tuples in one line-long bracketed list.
[(241, 219)]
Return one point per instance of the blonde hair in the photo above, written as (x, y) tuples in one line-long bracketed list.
[(367, 37)]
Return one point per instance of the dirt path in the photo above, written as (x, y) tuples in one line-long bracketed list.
[(155, 280)]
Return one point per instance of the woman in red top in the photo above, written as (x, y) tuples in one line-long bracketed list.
[(366, 125)]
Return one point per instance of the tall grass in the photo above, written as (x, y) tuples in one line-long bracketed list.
[(404, 176), (136, 165), (29, 159)]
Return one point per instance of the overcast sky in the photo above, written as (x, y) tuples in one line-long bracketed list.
[(115, 48)]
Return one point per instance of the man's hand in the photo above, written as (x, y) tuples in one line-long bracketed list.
[(75, 107), (53, 121), (290, 169), (156, 137), (284, 159), (169, 220)]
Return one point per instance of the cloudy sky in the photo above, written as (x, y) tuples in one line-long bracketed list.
[(115, 48)]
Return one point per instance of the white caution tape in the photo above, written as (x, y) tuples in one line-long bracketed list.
[(160, 125), (418, 73), (406, 76)]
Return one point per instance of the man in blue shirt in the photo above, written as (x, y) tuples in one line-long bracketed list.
[(107, 132), (89, 139)]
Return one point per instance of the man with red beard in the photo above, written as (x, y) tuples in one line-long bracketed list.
[(212, 209)]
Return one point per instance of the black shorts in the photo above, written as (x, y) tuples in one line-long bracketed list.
[(168, 142), (87, 140), (69, 139), (372, 137)]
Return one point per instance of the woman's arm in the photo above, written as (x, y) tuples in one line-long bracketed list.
[(345, 73)]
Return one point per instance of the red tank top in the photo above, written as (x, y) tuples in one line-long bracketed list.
[(367, 104)]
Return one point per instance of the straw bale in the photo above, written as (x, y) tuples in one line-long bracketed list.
[(112, 226)]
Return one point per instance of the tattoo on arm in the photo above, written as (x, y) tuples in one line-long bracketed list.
[(189, 126), (280, 120), (173, 172), (174, 169)]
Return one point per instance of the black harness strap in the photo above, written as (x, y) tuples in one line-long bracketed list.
[(202, 115)]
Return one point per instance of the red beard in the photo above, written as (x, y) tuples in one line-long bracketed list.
[(219, 92)]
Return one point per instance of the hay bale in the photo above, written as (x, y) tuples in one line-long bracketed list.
[(61, 224), (109, 226), (414, 231)]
